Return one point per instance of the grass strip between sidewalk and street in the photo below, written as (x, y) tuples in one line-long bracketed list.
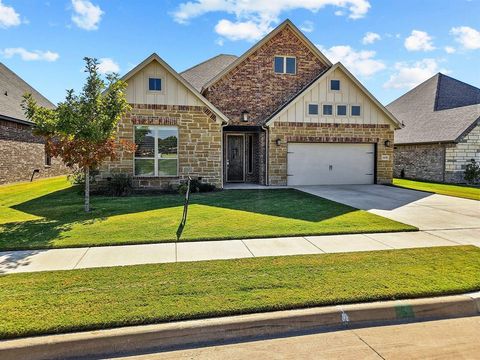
[(462, 191), (66, 301)]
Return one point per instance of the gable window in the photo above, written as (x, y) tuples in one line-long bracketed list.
[(356, 110), (48, 159), (285, 65), (328, 110), (154, 84), (341, 110), (312, 109), (157, 151), (335, 85)]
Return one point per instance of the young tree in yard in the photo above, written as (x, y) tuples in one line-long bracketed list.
[(81, 130)]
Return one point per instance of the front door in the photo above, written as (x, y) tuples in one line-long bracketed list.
[(235, 158)]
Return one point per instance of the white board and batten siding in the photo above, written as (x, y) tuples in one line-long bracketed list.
[(320, 93), (173, 91)]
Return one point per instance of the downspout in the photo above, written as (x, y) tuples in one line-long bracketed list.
[(267, 144)]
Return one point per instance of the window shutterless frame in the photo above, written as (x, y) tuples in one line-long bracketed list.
[(335, 85), (341, 105), (352, 110), (331, 107), (284, 69), (147, 84), (312, 105)]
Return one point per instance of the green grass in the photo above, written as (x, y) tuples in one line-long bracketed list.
[(49, 213), (62, 301), (467, 192)]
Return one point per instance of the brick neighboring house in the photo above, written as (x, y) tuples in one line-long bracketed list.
[(441, 132), (21, 152), (280, 114)]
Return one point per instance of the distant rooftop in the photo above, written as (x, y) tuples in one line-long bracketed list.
[(201, 74)]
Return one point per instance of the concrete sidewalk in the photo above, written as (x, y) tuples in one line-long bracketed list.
[(90, 257)]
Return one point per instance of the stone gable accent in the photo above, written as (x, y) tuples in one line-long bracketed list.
[(253, 85), (21, 152), (328, 133), (199, 144)]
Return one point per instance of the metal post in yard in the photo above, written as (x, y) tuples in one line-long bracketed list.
[(185, 211)]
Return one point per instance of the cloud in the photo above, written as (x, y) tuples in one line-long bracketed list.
[(361, 63), (307, 26), (86, 15), (468, 37), (8, 16), (107, 65), (449, 49), (419, 41), (35, 55), (370, 38), (258, 16), (408, 75)]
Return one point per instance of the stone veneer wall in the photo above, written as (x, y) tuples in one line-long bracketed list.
[(199, 145), (458, 155), (328, 133), (21, 152), (420, 161), (255, 87)]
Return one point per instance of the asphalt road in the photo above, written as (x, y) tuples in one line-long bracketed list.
[(442, 339)]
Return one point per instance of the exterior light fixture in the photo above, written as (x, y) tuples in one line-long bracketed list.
[(278, 142), (245, 115), (387, 143)]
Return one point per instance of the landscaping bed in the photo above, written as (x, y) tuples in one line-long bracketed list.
[(65, 301)]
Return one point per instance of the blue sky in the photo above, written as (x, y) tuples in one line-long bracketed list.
[(390, 46)]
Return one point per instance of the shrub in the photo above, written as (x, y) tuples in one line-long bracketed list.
[(472, 172), (196, 186), (119, 185)]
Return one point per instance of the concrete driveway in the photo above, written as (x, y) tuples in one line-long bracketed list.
[(424, 210)]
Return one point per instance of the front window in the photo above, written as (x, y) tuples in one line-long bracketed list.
[(342, 110), (154, 84), (157, 150), (327, 110), (285, 65)]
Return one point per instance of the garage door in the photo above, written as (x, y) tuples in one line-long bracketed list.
[(330, 164)]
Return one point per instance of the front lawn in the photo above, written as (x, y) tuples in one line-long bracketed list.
[(49, 213), (467, 192), (62, 301)]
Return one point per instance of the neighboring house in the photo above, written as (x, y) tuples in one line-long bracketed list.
[(21, 152), (441, 132), (280, 114)]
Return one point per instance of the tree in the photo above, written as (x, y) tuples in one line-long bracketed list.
[(81, 130), (472, 172)]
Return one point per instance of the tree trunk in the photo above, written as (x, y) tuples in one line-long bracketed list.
[(87, 189)]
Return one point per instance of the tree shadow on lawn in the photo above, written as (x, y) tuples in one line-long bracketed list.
[(61, 210)]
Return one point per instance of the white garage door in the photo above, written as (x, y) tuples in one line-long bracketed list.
[(330, 164)]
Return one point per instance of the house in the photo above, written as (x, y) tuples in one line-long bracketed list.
[(441, 132), (280, 114), (21, 152)]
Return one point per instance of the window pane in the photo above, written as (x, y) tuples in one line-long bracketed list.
[(144, 167), (145, 141), (154, 84), (341, 110), (279, 65), (167, 167), (312, 109), (327, 110), (291, 65), (355, 110), (335, 84), (167, 143)]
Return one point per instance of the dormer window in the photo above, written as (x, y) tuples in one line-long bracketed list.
[(154, 84), (285, 65)]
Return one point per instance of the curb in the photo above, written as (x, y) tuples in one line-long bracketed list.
[(160, 337)]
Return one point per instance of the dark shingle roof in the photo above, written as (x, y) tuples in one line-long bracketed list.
[(12, 89), (202, 73), (439, 110)]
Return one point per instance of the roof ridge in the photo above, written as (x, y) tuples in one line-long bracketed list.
[(414, 88)]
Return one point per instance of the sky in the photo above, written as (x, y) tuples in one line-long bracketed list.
[(389, 45)]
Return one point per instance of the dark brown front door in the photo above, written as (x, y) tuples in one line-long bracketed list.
[(235, 158)]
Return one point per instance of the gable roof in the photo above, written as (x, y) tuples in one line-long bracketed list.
[(12, 89), (441, 109), (319, 78), (155, 57), (286, 23), (202, 73)]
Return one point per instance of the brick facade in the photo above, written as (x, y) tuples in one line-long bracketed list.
[(253, 85), (199, 144), (458, 155), (21, 152), (420, 161), (322, 132)]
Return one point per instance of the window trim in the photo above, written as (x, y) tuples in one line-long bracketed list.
[(156, 156), (339, 85), (284, 64), (332, 105), (318, 109), (346, 110), (351, 109), (147, 84)]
